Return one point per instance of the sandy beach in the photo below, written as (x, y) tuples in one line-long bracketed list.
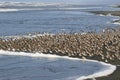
[(100, 41), (116, 74), (102, 47)]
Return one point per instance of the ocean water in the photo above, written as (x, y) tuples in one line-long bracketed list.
[(21, 18), (18, 18), (29, 66)]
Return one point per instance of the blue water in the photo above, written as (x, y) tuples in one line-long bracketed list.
[(28, 66), (53, 19), (17, 20)]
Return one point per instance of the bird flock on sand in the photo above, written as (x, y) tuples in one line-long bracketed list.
[(103, 46)]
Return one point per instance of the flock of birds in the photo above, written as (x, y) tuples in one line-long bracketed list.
[(104, 46)]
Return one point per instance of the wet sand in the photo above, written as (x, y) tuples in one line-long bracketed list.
[(114, 76), (104, 46)]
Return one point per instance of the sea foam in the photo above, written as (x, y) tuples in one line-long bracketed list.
[(8, 10)]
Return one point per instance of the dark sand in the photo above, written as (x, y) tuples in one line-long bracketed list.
[(25, 45), (117, 6), (116, 74), (114, 13), (73, 45)]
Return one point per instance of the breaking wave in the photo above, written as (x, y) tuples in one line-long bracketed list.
[(8, 10), (5, 4), (18, 6)]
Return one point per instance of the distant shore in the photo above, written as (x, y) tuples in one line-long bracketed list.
[(116, 74), (118, 6), (114, 13), (109, 13)]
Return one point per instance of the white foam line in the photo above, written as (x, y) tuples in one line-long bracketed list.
[(8, 10), (14, 10), (101, 15), (71, 8), (118, 65), (110, 69), (30, 4), (29, 36), (107, 70), (29, 9), (117, 23)]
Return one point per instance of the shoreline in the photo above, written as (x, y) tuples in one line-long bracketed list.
[(74, 45), (108, 13), (114, 13), (100, 46), (78, 66), (114, 76)]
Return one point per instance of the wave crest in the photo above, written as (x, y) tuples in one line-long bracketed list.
[(8, 10), (3, 4)]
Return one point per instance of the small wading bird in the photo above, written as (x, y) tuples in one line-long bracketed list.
[(104, 45)]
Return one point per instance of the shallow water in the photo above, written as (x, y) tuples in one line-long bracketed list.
[(15, 20), (53, 19), (29, 66)]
